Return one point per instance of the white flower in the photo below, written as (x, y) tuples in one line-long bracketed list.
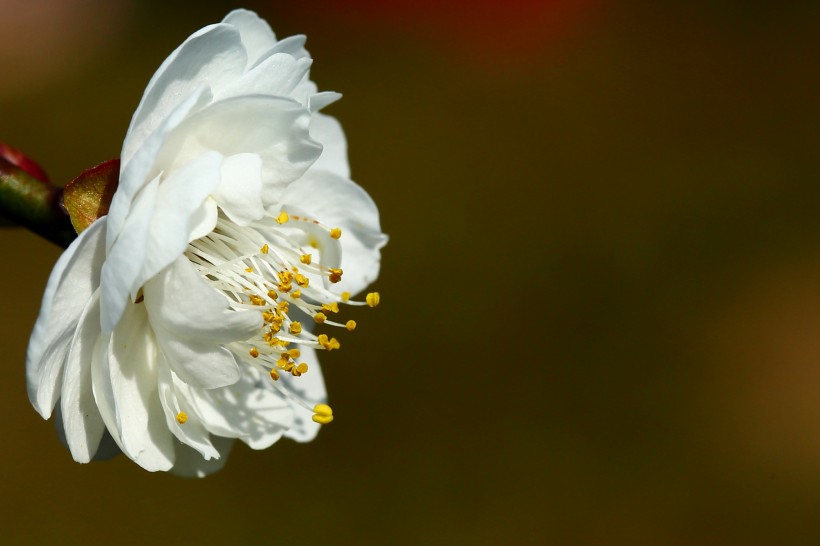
[(180, 321)]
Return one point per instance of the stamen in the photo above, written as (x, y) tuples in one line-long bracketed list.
[(255, 267), (322, 414), (182, 417), (335, 274)]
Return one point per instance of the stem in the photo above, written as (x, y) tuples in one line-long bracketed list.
[(34, 204)]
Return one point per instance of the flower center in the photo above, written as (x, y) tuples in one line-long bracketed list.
[(284, 267)]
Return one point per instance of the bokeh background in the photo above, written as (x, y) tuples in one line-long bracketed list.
[(601, 298)]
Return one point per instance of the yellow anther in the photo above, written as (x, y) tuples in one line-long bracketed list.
[(295, 328), (302, 368), (333, 344), (272, 294), (331, 307), (249, 269), (285, 276), (372, 299), (314, 243), (301, 280), (254, 352), (182, 417), (284, 287), (345, 296), (350, 325), (335, 274), (257, 300), (305, 259), (289, 366), (264, 249), (282, 218), (296, 294), (274, 374), (282, 307), (335, 233), (275, 326), (322, 414), (319, 318), (294, 353), (268, 317), (282, 362)]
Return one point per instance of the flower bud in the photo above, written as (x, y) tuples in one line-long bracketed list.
[(22, 161)]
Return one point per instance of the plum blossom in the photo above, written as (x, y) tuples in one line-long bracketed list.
[(184, 319)]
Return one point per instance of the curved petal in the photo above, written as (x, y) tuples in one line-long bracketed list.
[(257, 36), (73, 280), (124, 259), (190, 464), (132, 371), (292, 45), (178, 197), (211, 57), (240, 192), (192, 432), (339, 202), (142, 167), (82, 422), (246, 410), (310, 387), (317, 101), (275, 128), (277, 75), (203, 220), (191, 320), (327, 131)]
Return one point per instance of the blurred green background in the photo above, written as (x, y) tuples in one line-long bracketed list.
[(600, 302)]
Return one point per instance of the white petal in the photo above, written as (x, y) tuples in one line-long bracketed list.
[(82, 422), (191, 320), (142, 168), (211, 57), (317, 101), (191, 433), (328, 132), (203, 220), (179, 196), (246, 410), (341, 203), (310, 387), (124, 260), (190, 464), (132, 363), (257, 35), (278, 75), (240, 191), (275, 128), (292, 45), (75, 277)]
